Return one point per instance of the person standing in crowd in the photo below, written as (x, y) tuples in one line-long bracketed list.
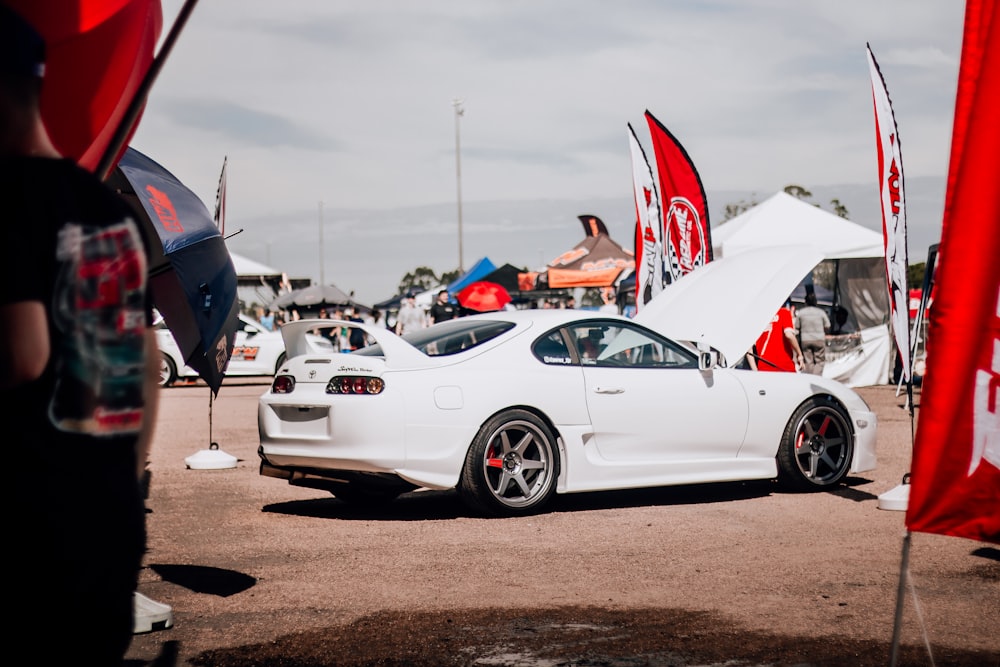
[(778, 347), (443, 309), (608, 296), (267, 320), (78, 381), (355, 336), (813, 324), (377, 318), (410, 317)]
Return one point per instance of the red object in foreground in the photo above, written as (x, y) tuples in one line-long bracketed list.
[(955, 481), (97, 53), (483, 296)]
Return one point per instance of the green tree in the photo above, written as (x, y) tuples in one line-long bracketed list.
[(798, 192), (734, 209), (742, 206), (450, 276), (422, 277), (839, 209)]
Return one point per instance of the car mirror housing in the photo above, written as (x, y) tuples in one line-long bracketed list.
[(707, 357)]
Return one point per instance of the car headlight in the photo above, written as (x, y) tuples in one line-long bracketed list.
[(355, 384)]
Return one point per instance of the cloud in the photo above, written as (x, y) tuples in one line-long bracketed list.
[(246, 126)]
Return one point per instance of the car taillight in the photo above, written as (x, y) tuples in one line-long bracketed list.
[(355, 384), (283, 384)]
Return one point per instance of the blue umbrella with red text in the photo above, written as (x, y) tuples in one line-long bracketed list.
[(192, 277)]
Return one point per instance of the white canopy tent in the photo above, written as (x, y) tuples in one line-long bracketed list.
[(256, 283), (852, 273)]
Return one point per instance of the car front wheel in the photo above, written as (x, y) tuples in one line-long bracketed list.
[(817, 446), (511, 467), (168, 371)]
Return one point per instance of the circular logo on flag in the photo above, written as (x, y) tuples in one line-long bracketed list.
[(686, 248)]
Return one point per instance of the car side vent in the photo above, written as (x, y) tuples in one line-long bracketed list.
[(317, 361)]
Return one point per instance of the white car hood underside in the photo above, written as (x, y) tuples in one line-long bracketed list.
[(728, 302)]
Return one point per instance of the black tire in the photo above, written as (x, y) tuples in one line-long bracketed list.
[(511, 467), (817, 446), (277, 365), (168, 371)]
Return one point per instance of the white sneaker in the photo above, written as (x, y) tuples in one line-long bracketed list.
[(150, 615)]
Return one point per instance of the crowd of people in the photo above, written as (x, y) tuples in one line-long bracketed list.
[(794, 341)]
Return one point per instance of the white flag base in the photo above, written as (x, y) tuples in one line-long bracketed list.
[(897, 498), (212, 458)]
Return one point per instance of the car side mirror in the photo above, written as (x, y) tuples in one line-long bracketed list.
[(707, 358)]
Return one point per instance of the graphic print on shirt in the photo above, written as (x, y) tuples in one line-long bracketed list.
[(99, 312)]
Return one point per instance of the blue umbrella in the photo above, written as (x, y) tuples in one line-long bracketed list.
[(192, 277)]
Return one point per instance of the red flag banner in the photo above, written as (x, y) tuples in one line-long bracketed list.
[(890, 185), (687, 235), (955, 478), (649, 263)]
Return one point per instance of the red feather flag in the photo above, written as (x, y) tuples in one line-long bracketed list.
[(893, 201), (687, 235), (955, 480)]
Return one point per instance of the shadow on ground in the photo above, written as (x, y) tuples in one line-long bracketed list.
[(426, 505), (578, 636)]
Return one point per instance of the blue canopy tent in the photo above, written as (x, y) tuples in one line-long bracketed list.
[(479, 270)]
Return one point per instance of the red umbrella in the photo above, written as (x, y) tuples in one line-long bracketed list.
[(97, 53), (483, 296)]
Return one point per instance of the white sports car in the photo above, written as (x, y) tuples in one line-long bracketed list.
[(513, 407), (256, 351)]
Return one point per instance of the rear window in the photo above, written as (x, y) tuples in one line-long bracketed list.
[(449, 337)]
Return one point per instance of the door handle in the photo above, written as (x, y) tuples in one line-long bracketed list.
[(608, 390)]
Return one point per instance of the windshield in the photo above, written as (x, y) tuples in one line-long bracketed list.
[(448, 337)]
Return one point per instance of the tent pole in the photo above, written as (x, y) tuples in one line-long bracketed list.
[(900, 593)]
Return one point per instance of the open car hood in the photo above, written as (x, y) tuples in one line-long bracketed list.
[(728, 302)]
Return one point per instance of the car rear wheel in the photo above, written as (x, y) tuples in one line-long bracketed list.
[(816, 447), (168, 371), (511, 467)]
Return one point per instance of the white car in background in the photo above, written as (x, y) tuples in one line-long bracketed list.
[(256, 352), (512, 408)]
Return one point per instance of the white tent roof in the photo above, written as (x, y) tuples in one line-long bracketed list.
[(247, 267), (784, 220)]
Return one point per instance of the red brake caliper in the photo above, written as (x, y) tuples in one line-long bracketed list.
[(494, 462)]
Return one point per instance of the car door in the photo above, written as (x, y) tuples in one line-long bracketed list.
[(648, 402)]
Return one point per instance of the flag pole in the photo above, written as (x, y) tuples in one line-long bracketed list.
[(139, 99), (904, 567)]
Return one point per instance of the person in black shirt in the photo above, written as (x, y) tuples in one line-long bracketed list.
[(442, 309), (78, 382)]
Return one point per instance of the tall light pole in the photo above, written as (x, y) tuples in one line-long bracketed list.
[(459, 112), (322, 278)]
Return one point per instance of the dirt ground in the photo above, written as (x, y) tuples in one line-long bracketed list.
[(260, 573)]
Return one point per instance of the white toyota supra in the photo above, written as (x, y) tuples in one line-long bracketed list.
[(513, 407)]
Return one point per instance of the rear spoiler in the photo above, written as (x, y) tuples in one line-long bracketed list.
[(396, 351)]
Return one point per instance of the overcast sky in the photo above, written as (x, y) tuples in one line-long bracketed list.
[(351, 104)]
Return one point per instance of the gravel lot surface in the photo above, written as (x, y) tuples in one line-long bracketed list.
[(261, 573)]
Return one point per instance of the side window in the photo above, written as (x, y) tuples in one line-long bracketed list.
[(551, 349), (613, 344)]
